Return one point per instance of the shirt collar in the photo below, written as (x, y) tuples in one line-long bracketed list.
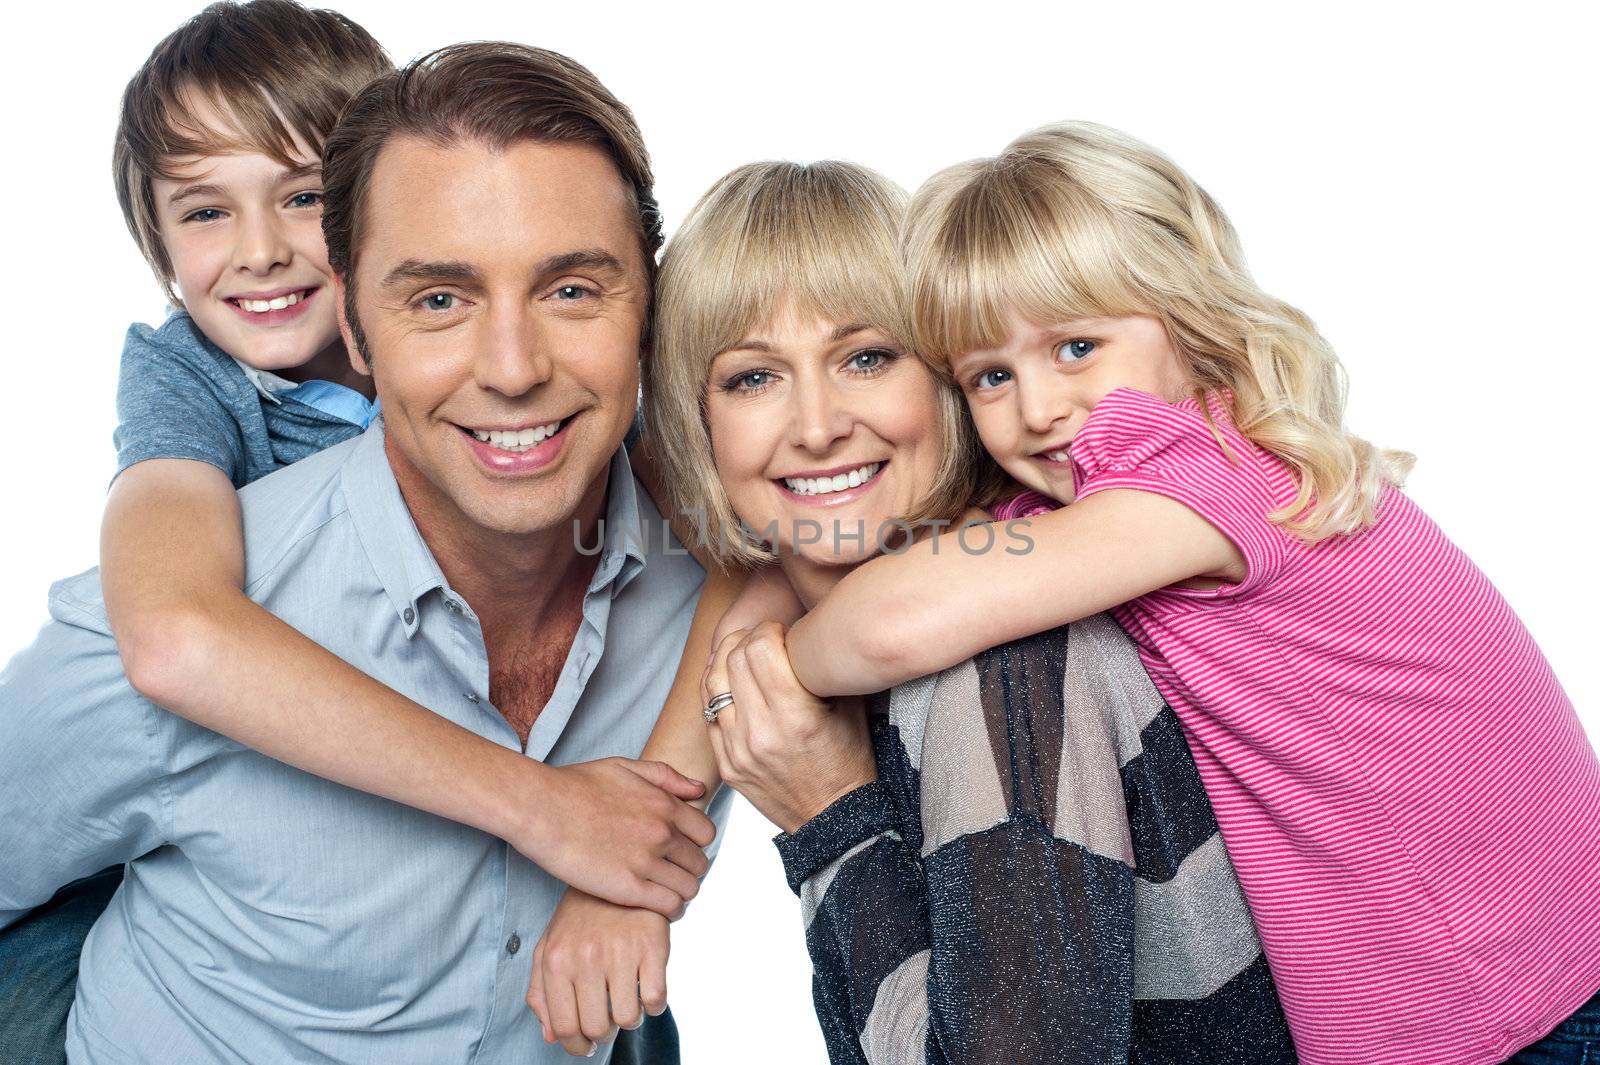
[(406, 567), (267, 383)]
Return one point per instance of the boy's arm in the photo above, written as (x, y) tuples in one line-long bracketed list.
[(191, 641), (942, 601)]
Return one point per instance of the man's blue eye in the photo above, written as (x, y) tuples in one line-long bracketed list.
[(993, 378), (1076, 349), (305, 199), (439, 301), (571, 292)]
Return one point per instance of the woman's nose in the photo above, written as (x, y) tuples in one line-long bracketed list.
[(819, 417)]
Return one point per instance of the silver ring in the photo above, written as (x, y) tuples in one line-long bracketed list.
[(718, 704)]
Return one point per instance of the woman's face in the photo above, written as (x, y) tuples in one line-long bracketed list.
[(824, 434)]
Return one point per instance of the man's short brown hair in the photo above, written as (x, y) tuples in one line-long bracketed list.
[(491, 92), (276, 70)]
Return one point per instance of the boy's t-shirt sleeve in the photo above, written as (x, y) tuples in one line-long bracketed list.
[(170, 407), (1139, 441)]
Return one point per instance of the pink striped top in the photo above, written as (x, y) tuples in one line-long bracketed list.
[(1405, 790)]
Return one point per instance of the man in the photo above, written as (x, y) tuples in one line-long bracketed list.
[(490, 219)]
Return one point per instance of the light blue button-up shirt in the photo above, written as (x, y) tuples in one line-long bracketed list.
[(269, 915)]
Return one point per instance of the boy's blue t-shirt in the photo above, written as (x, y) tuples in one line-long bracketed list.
[(180, 396)]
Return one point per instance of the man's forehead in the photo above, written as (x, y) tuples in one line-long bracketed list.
[(469, 194)]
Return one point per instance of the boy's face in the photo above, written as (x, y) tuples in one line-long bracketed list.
[(244, 234)]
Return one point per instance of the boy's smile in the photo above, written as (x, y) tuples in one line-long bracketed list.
[(244, 233)]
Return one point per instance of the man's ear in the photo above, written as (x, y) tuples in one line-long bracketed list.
[(353, 342)]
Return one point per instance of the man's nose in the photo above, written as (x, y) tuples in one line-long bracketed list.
[(512, 357), (262, 244), (819, 416)]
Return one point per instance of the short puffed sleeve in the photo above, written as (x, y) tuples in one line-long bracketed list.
[(1139, 441)]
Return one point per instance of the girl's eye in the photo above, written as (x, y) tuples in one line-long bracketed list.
[(1074, 350), (438, 301), (205, 214), (306, 199), (992, 379), (871, 360)]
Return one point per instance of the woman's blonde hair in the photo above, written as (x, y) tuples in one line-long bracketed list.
[(1076, 220), (822, 237)]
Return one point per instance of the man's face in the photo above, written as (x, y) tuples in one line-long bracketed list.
[(502, 294)]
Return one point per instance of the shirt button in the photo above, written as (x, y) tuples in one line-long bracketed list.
[(472, 697), (453, 605), (410, 615), (513, 944)]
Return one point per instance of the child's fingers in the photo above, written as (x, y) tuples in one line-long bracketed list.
[(653, 983), (623, 986), (562, 999), (594, 1011)]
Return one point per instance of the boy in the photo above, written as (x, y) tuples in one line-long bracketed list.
[(217, 169)]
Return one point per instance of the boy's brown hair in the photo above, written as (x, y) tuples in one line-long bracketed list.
[(493, 92), (276, 70)]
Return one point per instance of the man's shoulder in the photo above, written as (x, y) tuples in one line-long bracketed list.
[(287, 509)]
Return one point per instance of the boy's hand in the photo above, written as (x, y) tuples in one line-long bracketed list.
[(620, 830), (597, 968)]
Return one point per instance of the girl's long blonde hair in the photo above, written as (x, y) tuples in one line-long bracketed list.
[(1077, 220)]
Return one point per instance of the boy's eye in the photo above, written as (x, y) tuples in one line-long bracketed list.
[(205, 214), (1074, 350), (306, 199), (438, 301), (991, 379)]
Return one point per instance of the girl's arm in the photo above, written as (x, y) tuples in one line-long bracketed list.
[(191, 641), (950, 596)]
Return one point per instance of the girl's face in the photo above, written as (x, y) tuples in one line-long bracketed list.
[(1031, 395), (823, 434)]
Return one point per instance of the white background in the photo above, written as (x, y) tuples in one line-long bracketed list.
[(1421, 179)]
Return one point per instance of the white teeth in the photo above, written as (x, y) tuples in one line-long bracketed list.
[(816, 486), (278, 303), (517, 439), (1057, 456)]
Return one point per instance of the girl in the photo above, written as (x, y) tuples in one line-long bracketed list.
[(1407, 793)]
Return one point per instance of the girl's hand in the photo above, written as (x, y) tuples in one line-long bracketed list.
[(592, 953), (784, 749)]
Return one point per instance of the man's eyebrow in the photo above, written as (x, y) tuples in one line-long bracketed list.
[(582, 258), (417, 270)]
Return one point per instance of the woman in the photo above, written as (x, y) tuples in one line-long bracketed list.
[(1012, 861)]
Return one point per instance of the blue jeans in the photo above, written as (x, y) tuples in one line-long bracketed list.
[(1576, 1041), (39, 969), (39, 976)]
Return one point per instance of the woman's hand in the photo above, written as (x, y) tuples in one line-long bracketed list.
[(784, 749), (597, 968)]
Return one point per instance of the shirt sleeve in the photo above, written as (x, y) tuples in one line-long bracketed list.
[(82, 787), (1004, 945), (1139, 441), (169, 407)]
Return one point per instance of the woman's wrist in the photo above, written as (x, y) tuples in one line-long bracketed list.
[(812, 806)]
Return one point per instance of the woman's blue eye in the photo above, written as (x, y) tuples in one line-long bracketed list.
[(870, 361), (305, 199), (993, 378), (749, 381), (1076, 349), (439, 301)]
